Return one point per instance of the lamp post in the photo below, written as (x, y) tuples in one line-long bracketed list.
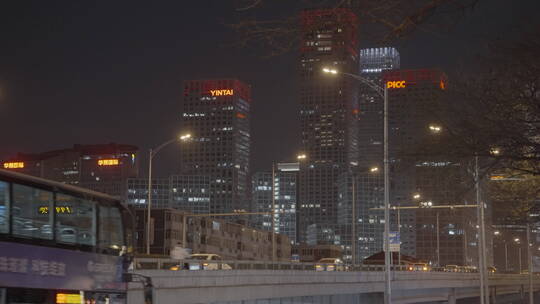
[(383, 92), (151, 155), (273, 213)]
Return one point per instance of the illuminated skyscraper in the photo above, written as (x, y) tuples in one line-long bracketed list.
[(377, 60), (285, 196), (217, 114), (328, 117), (369, 183), (373, 62)]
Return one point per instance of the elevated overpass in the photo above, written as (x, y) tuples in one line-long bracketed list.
[(244, 284)]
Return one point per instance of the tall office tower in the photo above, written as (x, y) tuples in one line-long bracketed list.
[(216, 113), (368, 176), (437, 235), (285, 196), (377, 60), (328, 117), (373, 62), (368, 187), (190, 193), (103, 168)]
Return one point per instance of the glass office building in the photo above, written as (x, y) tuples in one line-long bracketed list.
[(217, 114), (285, 198), (328, 117)]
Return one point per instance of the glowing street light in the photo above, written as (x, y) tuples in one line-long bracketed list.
[(383, 92), (182, 138), (185, 137), (417, 196), (374, 169), (331, 71), (301, 157), (495, 151), (435, 128)]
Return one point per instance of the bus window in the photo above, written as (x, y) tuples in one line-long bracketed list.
[(31, 212), (75, 220), (4, 207), (111, 237)]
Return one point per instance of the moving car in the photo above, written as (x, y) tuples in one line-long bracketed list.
[(452, 268), (330, 264), (419, 267), (204, 264)]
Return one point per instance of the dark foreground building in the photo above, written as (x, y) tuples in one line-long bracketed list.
[(440, 236), (102, 167)]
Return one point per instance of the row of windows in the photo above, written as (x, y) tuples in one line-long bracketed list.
[(28, 212)]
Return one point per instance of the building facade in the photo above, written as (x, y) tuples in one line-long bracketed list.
[(217, 114), (190, 193), (366, 179), (231, 241), (440, 236), (285, 196), (328, 117), (373, 62), (368, 187), (103, 167)]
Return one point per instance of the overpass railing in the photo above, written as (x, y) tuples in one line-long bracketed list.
[(174, 264)]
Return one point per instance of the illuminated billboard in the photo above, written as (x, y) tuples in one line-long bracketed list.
[(13, 165), (396, 84), (222, 92), (68, 298), (108, 162)]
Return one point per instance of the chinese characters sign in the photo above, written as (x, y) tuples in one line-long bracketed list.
[(14, 165), (108, 162), (28, 266)]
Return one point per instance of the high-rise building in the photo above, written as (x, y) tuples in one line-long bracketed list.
[(217, 114), (368, 187), (103, 168), (328, 117), (441, 236), (285, 196), (368, 177), (190, 193), (377, 60), (373, 62)]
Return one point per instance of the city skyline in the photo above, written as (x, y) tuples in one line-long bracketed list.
[(135, 94)]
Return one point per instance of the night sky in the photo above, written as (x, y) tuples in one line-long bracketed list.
[(93, 72)]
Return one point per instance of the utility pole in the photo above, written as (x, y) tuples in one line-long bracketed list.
[(273, 217), (529, 261), (387, 289), (353, 223)]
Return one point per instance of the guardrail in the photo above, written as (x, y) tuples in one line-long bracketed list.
[(167, 264)]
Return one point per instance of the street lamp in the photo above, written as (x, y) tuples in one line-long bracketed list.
[(434, 128), (152, 153), (383, 92)]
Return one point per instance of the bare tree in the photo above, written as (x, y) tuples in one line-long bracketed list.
[(493, 110), (379, 20)]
